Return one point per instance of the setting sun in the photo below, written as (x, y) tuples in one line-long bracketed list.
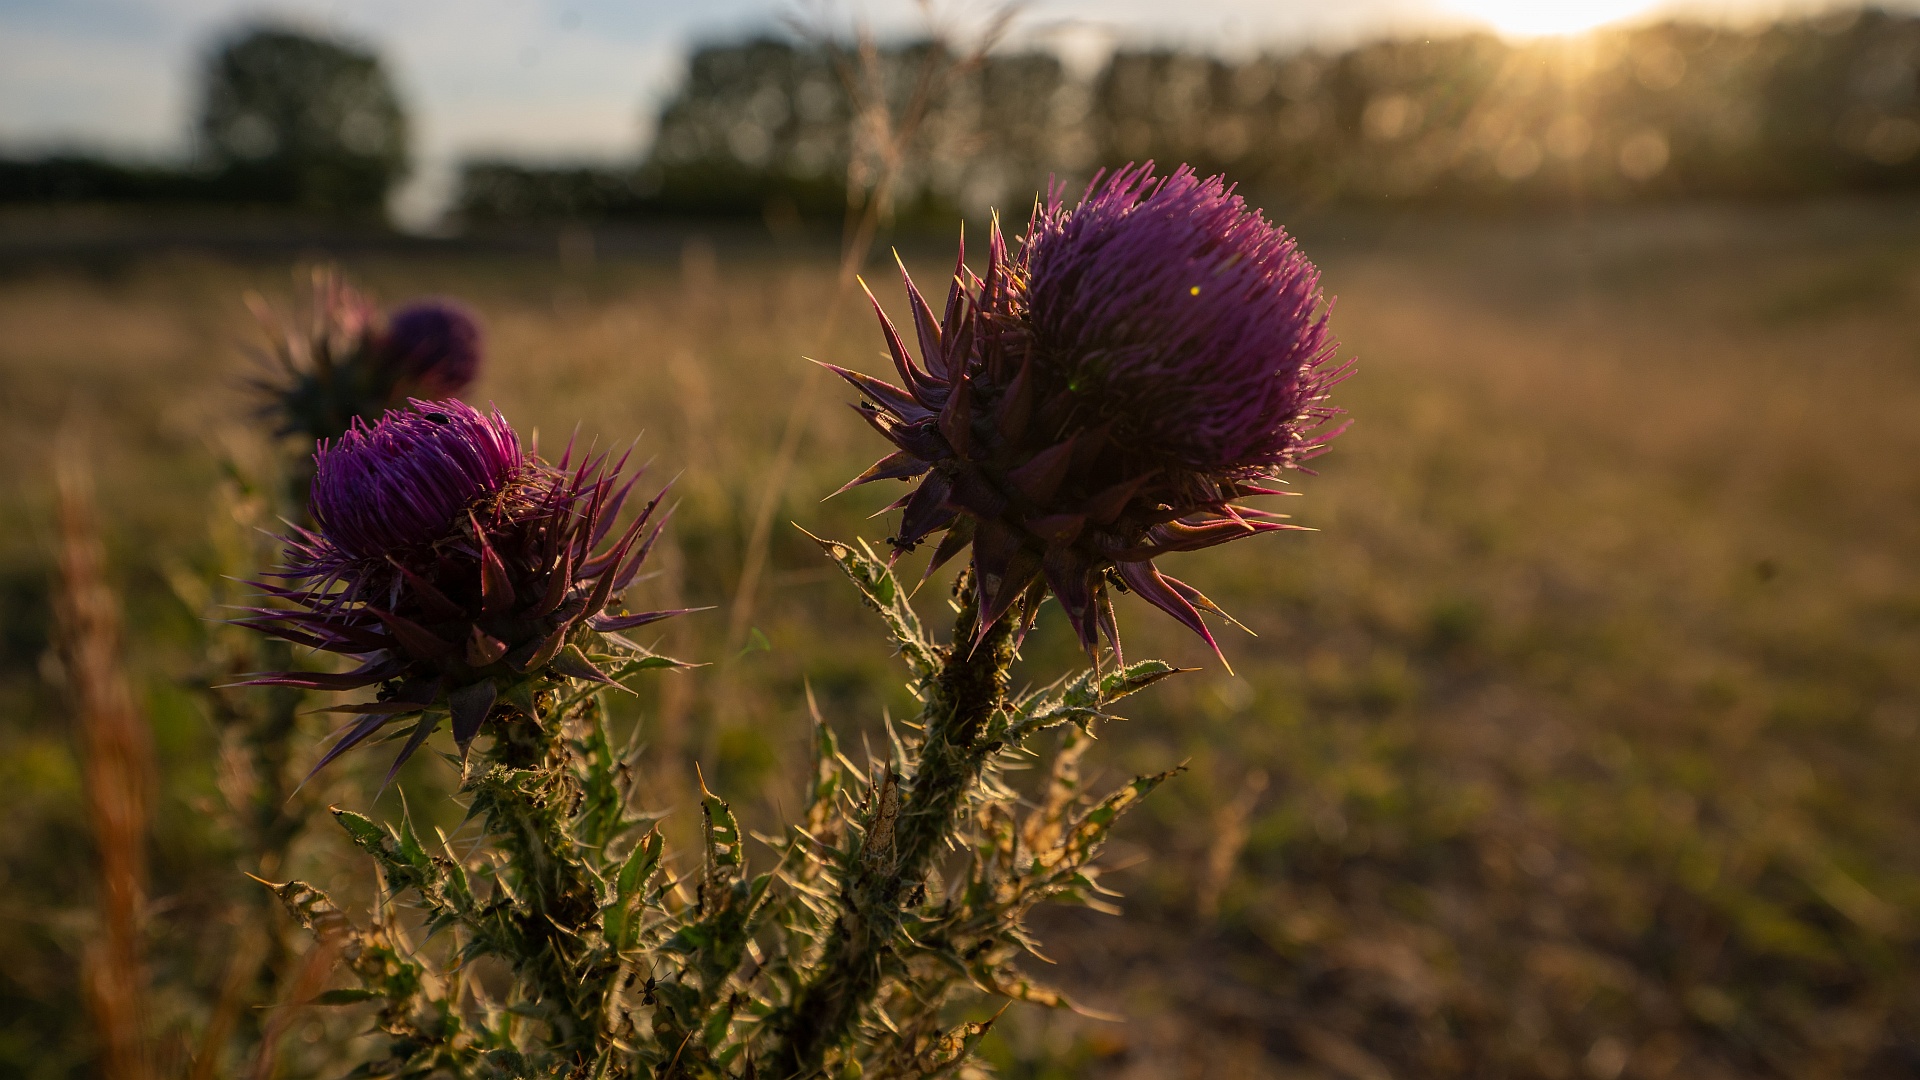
[(1544, 18)]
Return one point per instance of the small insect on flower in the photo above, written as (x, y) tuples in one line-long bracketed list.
[(1107, 395), (352, 363), (460, 570)]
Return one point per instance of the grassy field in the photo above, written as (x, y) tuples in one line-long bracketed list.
[(1580, 740)]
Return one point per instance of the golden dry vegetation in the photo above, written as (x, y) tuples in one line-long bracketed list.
[(1579, 740)]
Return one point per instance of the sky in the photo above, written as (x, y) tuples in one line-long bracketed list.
[(580, 79)]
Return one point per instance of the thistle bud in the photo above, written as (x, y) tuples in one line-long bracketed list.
[(1108, 394), (456, 567), (351, 363), (433, 348)]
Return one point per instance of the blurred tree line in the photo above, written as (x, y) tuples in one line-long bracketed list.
[(769, 127), (287, 119), (1674, 109)]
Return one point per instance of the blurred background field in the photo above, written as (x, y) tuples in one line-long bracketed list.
[(1587, 719), (1578, 741)]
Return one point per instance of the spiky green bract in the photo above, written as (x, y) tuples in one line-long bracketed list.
[(461, 573), (1108, 394)]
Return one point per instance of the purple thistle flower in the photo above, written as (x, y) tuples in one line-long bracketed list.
[(1174, 311), (434, 347), (459, 570), (402, 482), (348, 363), (1107, 395)]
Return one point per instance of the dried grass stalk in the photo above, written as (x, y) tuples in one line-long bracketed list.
[(881, 145), (308, 982), (1229, 839), (116, 752)]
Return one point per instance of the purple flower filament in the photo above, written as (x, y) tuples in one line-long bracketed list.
[(1171, 308), (401, 483)]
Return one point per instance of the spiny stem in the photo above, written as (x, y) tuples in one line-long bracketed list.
[(895, 857), (530, 793)]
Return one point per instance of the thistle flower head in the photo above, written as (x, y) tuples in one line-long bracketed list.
[(460, 571), (402, 483), (434, 347), (1105, 395), (350, 363), (1173, 311)]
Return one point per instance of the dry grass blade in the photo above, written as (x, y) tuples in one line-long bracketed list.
[(308, 982), (243, 962), (117, 761), (880, 146), (1228, 840)]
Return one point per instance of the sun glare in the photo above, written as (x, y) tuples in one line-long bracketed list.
[(1547, 18)]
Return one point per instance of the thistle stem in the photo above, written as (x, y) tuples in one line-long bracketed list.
[(527, 795), (898, 852)]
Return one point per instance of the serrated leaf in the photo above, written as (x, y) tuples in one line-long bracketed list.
[(1080, 699), (725, 854), (882, 592), (1134, 678), (623, 916), (960, 1044), (399, 853), (640, 865), (410, 851), (313, 909), (361, 829), (1084, 841)]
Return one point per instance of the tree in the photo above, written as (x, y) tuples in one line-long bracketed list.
[(294, 119)]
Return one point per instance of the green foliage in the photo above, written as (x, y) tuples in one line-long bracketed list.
[(616, 972), (303, 120), (1077, 699)]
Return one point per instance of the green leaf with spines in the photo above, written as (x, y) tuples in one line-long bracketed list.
[(361, 829), (314, 910), (639, 866), (718, 1022), (409, 850), (725, 855), (1079, 699), (1083, 842), (882, 592)]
